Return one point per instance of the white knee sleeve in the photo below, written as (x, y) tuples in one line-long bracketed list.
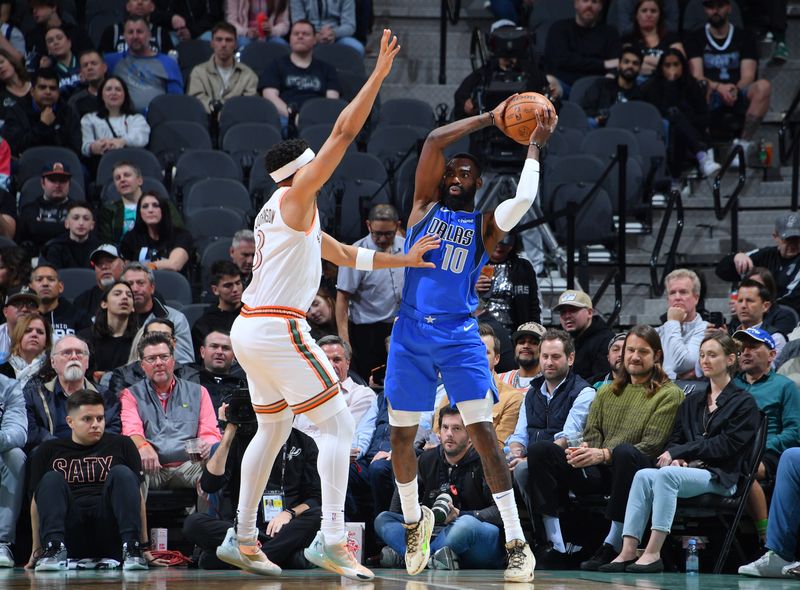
[(476, 410)]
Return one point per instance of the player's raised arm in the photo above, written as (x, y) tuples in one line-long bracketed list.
[(309, 179), (364, 259)]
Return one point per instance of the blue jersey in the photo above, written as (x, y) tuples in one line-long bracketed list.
[(450, 287)]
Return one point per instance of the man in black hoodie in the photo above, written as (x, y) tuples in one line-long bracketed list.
[(64, 318), (589, 331), (218, 373), (226, 285)]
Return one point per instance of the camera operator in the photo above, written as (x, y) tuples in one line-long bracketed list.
[(512, 68), (468, 523), (289, 514)]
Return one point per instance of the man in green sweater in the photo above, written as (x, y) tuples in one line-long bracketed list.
[(629, 423), (777, 396)]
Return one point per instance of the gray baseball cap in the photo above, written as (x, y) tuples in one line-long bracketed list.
[(788, 226)]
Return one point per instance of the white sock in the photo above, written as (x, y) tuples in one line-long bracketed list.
[(256, 467), (614, 537), (508, 511), (409, 500), (333, 464), (552, 528)]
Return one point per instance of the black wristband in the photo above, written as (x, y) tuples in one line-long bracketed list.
[(291, 511)]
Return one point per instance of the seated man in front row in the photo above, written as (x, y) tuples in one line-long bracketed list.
[(86, 496), (468, 524)]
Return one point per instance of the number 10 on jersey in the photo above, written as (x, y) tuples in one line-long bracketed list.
[(454, 258)]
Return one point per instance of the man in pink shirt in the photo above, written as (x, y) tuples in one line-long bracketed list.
[(161, 412)]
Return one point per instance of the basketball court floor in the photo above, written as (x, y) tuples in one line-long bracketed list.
[(186, 579)]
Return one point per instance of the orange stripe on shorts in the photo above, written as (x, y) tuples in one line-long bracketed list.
[(278, 406), (317, 400)]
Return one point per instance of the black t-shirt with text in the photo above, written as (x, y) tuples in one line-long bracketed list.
[(722, 58), (142, 248), (85, 468), (296, 85)]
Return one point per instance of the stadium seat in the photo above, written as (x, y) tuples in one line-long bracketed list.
[(316, 135), (341, 57), (634, 116), (362, 166), (319, 111), (192, 53), (392, 142), (407, 111), (76, 281), (176, 107), (580, 87), (245, 142), (170, 139), (344, 205), (194, 311), (199, 164), (544, 14), (247, 109), (217, 192), (259, 55), (572, 116), (173, 286), (210, 223)]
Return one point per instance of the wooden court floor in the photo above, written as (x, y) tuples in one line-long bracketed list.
[(186, 579)]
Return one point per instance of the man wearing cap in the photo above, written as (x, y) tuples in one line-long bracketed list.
[(64, 318), (41, 221), (19, 302), (107, 268), (526, 354), (616, 348), (725, 60), (684, 329), (776, 396), (782, 260), (588, 330)]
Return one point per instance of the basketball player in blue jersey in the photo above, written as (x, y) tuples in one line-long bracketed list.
[(435, 332)]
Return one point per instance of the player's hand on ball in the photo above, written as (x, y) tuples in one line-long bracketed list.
[(499, 113), (546, 122), (389, 49), (418, 250)]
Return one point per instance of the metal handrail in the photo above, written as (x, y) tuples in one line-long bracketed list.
[(675, 202), (732, 204), (788, 127), (450, 11), (614, 275)]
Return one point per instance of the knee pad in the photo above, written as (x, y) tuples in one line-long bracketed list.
[(476, 410)]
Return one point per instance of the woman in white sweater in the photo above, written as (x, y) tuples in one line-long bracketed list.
[(116, 124)]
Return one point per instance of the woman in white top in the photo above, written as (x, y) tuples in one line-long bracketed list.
[(116, 124)]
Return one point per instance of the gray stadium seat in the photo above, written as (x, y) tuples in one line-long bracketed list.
[(217, 192), (319, 111), (170, 139), (76, 281), (173, 286), (341, 57), (247, 109), (176, 107)]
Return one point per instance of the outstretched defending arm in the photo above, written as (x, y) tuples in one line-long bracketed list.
[(510, 212), (363, 259)]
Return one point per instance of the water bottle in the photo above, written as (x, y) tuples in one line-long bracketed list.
[(509, 455), (692, 559), (762, 153)]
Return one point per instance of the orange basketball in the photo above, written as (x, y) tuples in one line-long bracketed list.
[(520, 115)]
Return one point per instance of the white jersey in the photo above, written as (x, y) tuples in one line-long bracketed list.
[(287, 267)]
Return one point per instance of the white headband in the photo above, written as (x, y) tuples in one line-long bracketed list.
[(286, 171)]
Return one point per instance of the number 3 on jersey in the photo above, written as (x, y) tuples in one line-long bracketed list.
[(259, 256), (454, 258)]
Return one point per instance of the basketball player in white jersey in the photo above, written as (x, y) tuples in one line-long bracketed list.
[(287, 372)]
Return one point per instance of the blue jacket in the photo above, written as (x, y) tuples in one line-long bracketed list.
[(13, 421)]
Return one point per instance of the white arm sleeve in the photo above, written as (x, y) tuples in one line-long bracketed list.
[(510, 212)]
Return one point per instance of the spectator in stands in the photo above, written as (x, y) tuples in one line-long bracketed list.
[(63, 318), (782, 260), (147, 72), (86, 497), (321, 316), (73, 248), (15, 268), (588, 330), (30, 341), (153, 239), (41, 119), (107, 269), (46, 400), (488, 324), (616, 349), (117, 217), (628, 16), (15, 83), (781, 317), (527, 340), (192, 19), (20, 301), (46, 15), (115, 325), (131, 373), (61, 58), (93, 71), (681, 100), (769, 16), (12, 41), (471, 535), (651, 37), (13, 430), (357, 397), (684, 329), (334, 21), (159, 433), (552, 418), (143, 283), (221, 77), (752, 303), (226, 285), (217, 372), (508, 283), (244, 16), (292, 79), (582, 46), (242, 253), (367, 302), (113, 39), (115, 124), (628, 426), (43, 219), (706, 454), (282, 532), (779, 399), (725, 58), (604, 93), (780, 559)]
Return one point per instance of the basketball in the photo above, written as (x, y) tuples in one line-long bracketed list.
[(520, 115)]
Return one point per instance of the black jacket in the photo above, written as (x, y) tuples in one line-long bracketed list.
[(200, 15), (41, 222), (62, 252), (783, 269), (464, 482), (218, 386), (604, 94), (721, 441), (24, 129), (525, 292), (591, 349)]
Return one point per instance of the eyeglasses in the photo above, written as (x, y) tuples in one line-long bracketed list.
[(25, 305), (383, 234), (72, 352), (153, 358)]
